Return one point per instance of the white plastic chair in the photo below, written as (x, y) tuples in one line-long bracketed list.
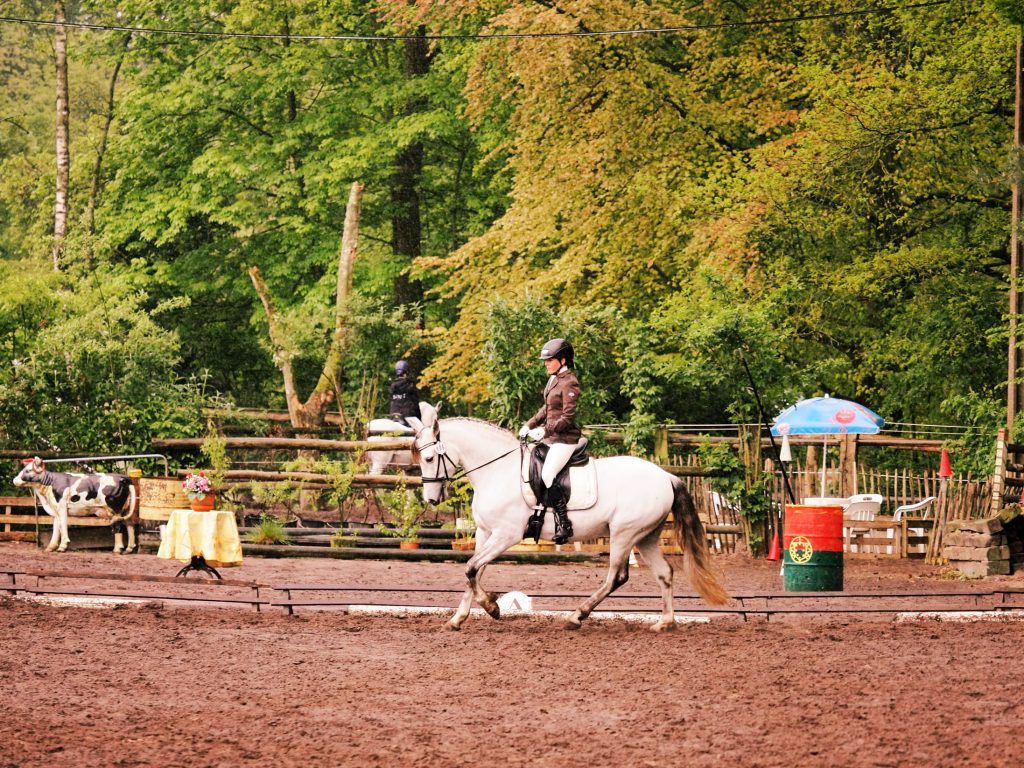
[(862, 506), (924, 504), (920, 509)]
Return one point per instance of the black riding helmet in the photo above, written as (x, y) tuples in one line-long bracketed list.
[(559, 349)]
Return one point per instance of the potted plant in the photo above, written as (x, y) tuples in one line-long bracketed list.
[(199, 491), (460, 504), (406, 510)]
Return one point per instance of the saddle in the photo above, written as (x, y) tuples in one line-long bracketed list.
[(579, 473)]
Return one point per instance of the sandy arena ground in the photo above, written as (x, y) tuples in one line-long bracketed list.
[(167, 685)]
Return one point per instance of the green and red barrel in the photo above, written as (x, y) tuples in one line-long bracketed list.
[(812, 549)]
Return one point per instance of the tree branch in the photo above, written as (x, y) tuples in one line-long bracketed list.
[(281, 357)]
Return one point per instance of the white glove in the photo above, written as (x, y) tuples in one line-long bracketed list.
[(536, 434), (524, 430)]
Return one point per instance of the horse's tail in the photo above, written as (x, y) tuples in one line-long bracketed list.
[(690, 536)]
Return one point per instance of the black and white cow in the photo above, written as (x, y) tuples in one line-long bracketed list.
[(64, 493)]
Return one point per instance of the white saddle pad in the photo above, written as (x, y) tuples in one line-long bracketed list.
[(582, 479), (385, 426)]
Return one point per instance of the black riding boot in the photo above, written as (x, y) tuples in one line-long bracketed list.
[(560, 506)]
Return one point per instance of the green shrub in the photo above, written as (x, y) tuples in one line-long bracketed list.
[(269, 530), (406, 510)]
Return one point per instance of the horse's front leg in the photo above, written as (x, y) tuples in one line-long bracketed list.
[(618, 574), (462, 612), (495, 544)]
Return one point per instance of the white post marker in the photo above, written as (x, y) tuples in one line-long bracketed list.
[(515, 602)]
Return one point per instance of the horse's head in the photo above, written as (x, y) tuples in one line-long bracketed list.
[(429, 451)]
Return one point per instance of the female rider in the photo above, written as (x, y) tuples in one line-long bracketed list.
[(555, 425)]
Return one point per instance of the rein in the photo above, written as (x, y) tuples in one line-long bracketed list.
[(445, 462)]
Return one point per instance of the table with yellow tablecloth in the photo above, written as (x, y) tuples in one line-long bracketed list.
[(212, 536)]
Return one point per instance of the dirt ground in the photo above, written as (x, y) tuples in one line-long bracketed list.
[(165, 685)]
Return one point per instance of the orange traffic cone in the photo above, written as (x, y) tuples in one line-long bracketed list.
[(773, 550), (945, 470)]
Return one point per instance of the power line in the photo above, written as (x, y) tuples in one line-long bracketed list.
[(473, 36)]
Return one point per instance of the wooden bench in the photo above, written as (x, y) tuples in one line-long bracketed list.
[(13, 513), (879, 537), (19, 512)]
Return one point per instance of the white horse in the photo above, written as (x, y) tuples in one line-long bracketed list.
[(384, 430), (635, 497)]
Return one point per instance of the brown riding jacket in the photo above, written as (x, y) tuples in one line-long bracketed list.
[(558, 414)]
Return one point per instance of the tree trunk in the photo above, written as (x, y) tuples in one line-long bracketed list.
[(312, 412), (1015, 387), (108, 119), (406, 227), (60, 208), (292, 106)]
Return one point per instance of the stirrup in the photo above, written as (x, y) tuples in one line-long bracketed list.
[(534, 524)]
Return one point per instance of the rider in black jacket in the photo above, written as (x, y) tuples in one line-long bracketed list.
[(405, 400)]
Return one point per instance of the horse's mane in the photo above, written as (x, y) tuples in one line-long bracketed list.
[(472, 420)]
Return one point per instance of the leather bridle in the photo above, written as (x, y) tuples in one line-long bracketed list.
[(444, 462)]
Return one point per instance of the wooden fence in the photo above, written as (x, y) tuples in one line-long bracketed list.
[(966, 497)]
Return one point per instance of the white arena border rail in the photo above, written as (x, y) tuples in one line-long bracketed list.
[(1003, 603)]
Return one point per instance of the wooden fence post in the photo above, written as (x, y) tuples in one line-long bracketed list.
[(999, 475), (661, 445), (809, 487), (848, 465)]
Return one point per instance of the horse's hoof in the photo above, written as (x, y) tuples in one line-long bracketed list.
[(664, 626), (493, 611), (573, 623), (51, 548), (453, 626)]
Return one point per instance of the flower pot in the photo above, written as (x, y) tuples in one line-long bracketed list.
[(408, 545), (204, 504), (463, 544)]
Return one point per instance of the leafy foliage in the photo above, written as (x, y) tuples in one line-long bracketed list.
[(823, 202), (269, 530), (92, 369), (406, 511), (516, 333)]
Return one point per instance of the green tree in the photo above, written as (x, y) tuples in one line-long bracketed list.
[(94, 372)]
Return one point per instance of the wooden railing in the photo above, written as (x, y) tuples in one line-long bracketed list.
[(1008, 476)]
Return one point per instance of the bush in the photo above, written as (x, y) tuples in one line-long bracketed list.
[(269, 530), (406, 510)]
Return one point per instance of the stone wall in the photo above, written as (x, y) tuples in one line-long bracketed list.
[(992, 546)]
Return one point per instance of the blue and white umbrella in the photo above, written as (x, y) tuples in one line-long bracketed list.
[(826, 416)]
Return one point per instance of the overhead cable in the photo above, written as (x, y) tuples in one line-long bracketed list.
[(636, 31)]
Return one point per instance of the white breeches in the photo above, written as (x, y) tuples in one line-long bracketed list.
[(558, 456)]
